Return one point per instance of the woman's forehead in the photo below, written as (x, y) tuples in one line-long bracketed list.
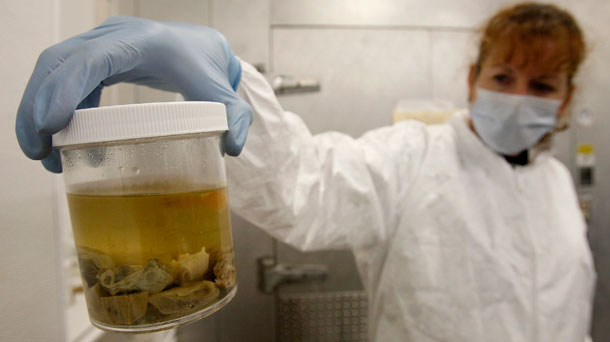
[(537, 55)]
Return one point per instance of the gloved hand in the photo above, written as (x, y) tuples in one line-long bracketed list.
[(195, 61)]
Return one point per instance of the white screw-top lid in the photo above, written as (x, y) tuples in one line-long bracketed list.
[(139, 121)]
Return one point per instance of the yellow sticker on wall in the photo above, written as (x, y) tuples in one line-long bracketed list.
[(585, 156), (586, 149)]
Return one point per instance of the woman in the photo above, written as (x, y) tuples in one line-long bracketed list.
[(453, 240), (468, 231)]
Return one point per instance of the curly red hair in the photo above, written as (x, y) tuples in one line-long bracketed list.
[(527, 29)]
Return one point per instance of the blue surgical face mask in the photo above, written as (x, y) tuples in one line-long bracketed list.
[(508, 123)]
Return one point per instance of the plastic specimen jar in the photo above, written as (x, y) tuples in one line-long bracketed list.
[(146, 188)]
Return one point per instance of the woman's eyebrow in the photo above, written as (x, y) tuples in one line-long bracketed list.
[(504, 67), (548, 76)]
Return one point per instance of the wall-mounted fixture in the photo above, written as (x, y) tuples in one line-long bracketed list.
[(283, 84), (273, 274)]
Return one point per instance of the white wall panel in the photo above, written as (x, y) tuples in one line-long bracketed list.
[(592, 91), (245, 24), (433, 13), (80, 17), (363, 73), (451, 55), (30, 302), (190, 11)]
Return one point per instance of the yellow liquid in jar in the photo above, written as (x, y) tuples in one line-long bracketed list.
[(133, 251), (132, 229)]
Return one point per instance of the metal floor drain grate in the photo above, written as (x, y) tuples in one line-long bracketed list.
[(329, 316)]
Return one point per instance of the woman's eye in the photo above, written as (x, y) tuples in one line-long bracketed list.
[(502, 79), (542, 87)]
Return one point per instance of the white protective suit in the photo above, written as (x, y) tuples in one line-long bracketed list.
[(452, 242)]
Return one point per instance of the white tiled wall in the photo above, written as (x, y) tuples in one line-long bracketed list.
[(362, 74), (31, 299), (429, 13), (451, 55), (592, 91), (190, 11), (245, 24), (370, 54)]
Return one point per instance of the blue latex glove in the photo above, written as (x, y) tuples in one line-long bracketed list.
[(195, 61)]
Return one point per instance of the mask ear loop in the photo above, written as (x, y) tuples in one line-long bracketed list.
[(546, 143), (563, 122)]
